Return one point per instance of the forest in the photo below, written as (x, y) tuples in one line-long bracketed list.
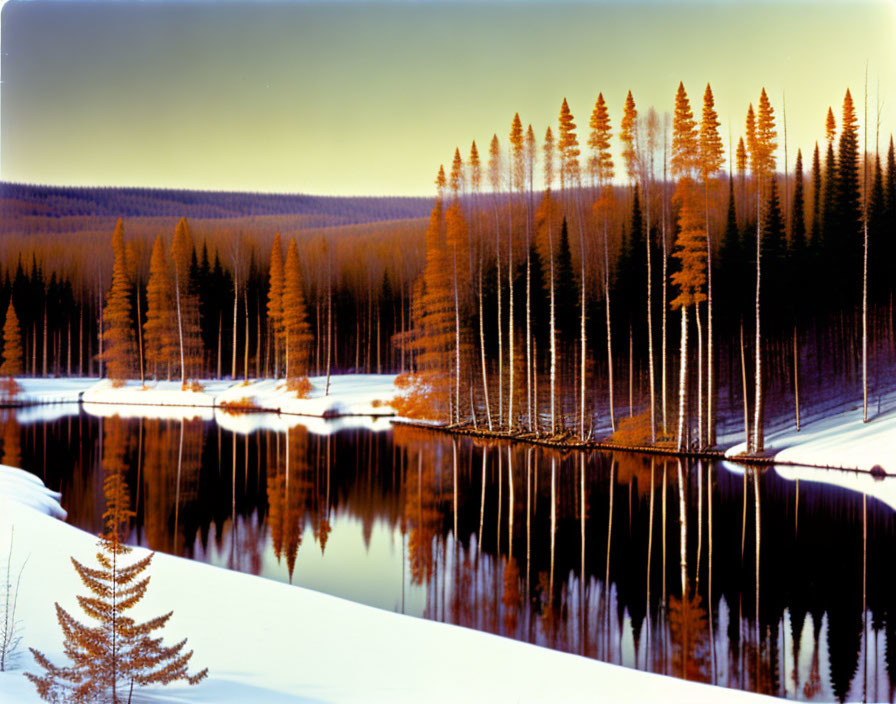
[(690, 288)]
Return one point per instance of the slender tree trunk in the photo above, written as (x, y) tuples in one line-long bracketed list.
[(330, 326), (683, 381), (456, 342), (650, 368), (236, 298), (488, 410), (500, 323), (140, 339), (663, 361), (796, 378), (758, 432), (553, 332), (700, 427), (246, 340), (743, 376), (865, 257), (510, 359), (710, 365), (631, 373), (609, 329), (528, 328), (220, 335), (180, 330)]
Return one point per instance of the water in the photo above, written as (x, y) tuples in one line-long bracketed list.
[(575, 551)]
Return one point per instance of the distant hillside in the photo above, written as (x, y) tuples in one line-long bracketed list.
[(21, 201)]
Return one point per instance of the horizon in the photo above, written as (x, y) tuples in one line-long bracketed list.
[(307, 98)]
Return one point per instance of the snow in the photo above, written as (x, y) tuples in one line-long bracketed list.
[(840, 440), (269, 642), (360, 400)]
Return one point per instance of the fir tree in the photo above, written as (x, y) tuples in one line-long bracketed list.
[(797, 215), (12, 344), (815, 233), (118, 351), (848, 198), (108, 660), (275, 300), (159, 330), (297, 333)]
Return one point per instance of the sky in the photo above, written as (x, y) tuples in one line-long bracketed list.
[(368, 98)]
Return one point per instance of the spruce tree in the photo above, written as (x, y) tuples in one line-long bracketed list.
[(297, 332), (275, 300), (109, 659), (848, 197), (797, 216), (118, 331), (12, 344), (159, 330), (815, 233)]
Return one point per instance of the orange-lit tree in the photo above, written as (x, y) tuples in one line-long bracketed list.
[(118, 332), (275, 301), (296, 331), (159, 330), (109, 659), (12, 344)]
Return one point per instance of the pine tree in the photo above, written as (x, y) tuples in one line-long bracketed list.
[(829, 234), (711, 160), (159, 330), (815, 233), (602, 172), (275, 300), (118, 653), (456, 238), (628, 137), (848, 197), (186, 301), (692, 274), (798, 219), (12, 344), (118, 352), (567, 148), (762, 158), (296, 331)]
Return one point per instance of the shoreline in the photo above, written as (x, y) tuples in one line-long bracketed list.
[(836, 441)]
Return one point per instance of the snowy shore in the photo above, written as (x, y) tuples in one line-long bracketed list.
[(269, 642), (838, 439)]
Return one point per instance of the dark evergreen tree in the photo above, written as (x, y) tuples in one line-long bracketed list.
[(815, 233), (880, 247)]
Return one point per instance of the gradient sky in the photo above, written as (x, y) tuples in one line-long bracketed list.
[(369, 97)]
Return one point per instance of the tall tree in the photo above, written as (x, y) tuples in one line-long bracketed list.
[(494, 179), (815, 233), (12, 344), (762, 157), (118, 353), (691, 248), (296, 331), (476, 185), (159, 334), (275, 300), (712, 158), (601, 168)]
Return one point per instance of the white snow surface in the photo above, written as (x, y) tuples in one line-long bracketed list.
[(840, 440), (272, 643)]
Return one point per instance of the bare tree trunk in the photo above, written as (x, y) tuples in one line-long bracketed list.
[(650, 369), (180, 330), (488, 410), (456, 342), (710, 366), (510, 360), (631, 373), (220, 335), (758, 434), (683, 380), (246, 340), (700, 426), (609, 328), (663, 361), (236, 298), (743, 375), (330, 325), (553, 331), (500, 334), (140, 338), (528, 329), (865, 257), (796, 377)]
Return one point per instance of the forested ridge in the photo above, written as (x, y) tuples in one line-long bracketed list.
[(552, 291)]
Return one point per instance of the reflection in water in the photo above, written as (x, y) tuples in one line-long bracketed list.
[(572, 551)]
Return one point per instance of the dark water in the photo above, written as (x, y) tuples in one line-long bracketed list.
[(790, 588)]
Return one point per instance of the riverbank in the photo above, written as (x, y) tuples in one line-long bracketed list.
[(280, 643), (835, 439)]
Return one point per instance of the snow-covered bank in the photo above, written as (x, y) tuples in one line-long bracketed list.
[(265, 641), (840, 440), (350, 395)]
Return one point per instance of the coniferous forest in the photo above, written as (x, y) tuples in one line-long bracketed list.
[(551, 291)]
